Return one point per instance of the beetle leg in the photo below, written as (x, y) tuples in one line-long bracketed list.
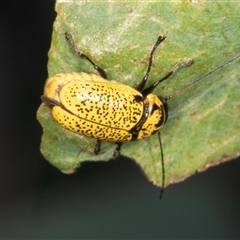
[(97, 147), (141, 85), (116, 152), (82, 55), (150, 89)]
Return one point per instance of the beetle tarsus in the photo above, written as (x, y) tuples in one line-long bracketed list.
[(116, 152), (97, 147)]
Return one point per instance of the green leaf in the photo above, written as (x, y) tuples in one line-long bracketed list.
[(203, 128)]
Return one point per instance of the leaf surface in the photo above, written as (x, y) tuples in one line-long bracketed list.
[(203, 128)]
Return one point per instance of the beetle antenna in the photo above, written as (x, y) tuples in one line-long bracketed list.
[(162, 164), (199, 79), (82, 55)]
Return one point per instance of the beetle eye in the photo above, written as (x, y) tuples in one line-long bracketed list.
[(165, 106)]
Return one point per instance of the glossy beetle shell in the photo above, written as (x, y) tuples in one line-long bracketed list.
[(90, 105)]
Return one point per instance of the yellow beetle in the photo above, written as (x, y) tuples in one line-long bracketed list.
[(91, 105)]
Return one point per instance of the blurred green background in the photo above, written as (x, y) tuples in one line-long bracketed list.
[(101, 200)]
